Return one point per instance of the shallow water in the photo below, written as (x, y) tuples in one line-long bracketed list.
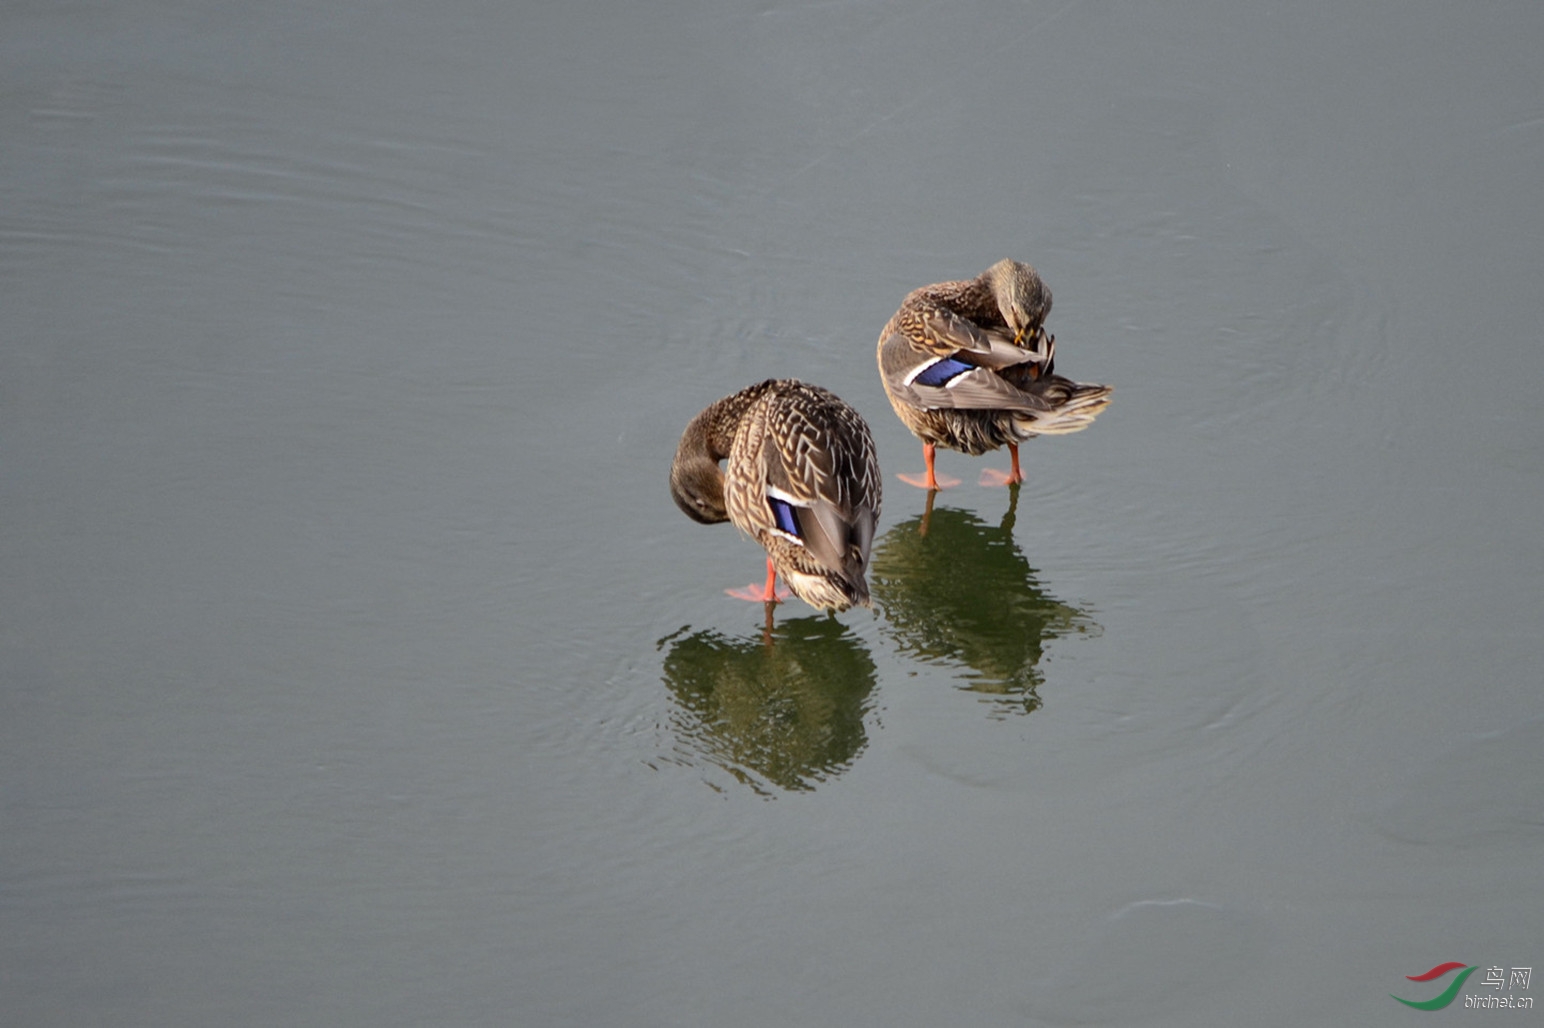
[(358, 669)]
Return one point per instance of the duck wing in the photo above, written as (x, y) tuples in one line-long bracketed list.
[(821, 483), (931, 377)]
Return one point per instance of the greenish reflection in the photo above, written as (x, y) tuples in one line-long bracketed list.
[(783, 707), (958, 591)]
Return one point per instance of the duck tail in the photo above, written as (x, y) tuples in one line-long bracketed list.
[(1074, 405), (829, 590)]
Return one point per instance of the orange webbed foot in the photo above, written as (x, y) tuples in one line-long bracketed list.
[(994, 477), (758, 594), (921, 481)]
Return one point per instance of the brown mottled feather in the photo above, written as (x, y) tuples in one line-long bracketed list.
[(994, 322), (801, 443)]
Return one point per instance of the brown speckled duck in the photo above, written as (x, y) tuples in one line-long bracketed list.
[(969, 366), (800, 477)]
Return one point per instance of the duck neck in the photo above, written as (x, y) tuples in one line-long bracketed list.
[(706, 441), (977, 300), (707, 438), (710, 435)]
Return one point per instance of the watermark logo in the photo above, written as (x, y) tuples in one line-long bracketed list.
[(1448, 995), (1496, 978)]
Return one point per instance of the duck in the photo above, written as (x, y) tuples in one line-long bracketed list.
[(799, 475), (969, 366)]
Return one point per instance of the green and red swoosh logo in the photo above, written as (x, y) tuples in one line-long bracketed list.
[(1448, 995)]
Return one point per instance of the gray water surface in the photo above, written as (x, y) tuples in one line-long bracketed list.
[(356, 668)]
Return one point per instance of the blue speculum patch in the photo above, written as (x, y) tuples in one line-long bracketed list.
[(782, 514), (942, 372)]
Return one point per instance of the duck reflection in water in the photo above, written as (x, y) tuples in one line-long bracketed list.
[(780, 709), (958, 591)]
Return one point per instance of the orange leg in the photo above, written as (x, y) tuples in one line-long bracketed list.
[(991, 476), (931, 481), (765, 594)]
